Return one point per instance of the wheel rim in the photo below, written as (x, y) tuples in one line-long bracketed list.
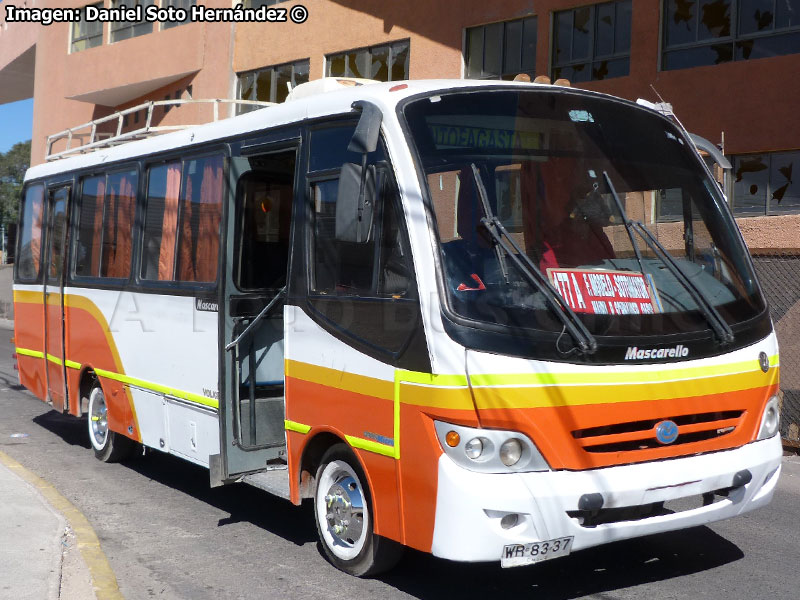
[(342, 511), (98, 419)]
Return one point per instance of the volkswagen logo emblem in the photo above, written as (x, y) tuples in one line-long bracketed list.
[(666, 432)]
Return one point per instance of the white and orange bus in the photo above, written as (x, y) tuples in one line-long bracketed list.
[(489, 321)]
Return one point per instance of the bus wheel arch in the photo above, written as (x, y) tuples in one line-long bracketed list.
[(312, 455), (86, 381), (108, 446)]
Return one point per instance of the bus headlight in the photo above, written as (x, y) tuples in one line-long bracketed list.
[(511, 452), (489, 450), (770, 419), (474, 448)]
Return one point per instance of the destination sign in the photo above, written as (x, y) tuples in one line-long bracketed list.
[(606, 292), (485, 138)]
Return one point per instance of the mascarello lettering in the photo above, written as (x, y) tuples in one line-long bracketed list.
[(635, 353)]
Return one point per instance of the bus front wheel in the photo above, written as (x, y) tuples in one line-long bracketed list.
[(108, 445), (343, 514)]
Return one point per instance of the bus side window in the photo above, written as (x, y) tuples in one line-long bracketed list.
[(264, 200), (105, 225), (182, 220), (378, 267), (29, 256), (365, 288)]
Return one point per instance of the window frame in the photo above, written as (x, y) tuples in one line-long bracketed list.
[(115, 27), (503, 73), (770, 187), (369, 49), (733, 39), (178, 286), (311, 296), (179, 4), (88, 37), (42, 238), (273, 81), (592, 58), (75, 215)]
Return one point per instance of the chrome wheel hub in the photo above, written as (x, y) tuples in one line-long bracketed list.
[(345, 510)]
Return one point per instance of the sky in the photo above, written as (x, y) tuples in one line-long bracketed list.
[(16, 123)]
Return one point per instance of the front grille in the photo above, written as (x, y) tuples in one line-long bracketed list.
[(641, 435)]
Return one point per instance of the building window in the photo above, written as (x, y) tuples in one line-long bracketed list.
[(271, 84), (122, 30), (766, 184), (184, 4), (592, 42), (388, 62), (703, 32), (86, 34), (501, 50)]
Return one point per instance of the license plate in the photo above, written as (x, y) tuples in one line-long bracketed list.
[(516, 555)]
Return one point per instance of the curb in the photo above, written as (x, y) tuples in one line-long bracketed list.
[(103, 579)]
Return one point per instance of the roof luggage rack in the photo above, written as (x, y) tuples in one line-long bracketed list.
[(99, 139)]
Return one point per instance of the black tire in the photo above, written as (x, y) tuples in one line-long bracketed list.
[(108, 445), (342, 495)]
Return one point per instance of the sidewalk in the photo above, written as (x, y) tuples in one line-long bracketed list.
[(39, 555)]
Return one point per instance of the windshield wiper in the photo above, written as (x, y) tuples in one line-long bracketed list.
[(487, 210), (504, 243), (718, 324)]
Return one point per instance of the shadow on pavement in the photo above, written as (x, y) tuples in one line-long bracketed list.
[(588, 572), (70, 429)]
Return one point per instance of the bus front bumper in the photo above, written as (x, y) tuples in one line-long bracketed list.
[(637, 500)]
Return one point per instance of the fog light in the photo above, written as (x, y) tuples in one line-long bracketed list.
[(511, 452), (474, 448), (770, 419), (509, 520)]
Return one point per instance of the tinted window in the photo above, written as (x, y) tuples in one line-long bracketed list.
[(90, 226), (201, 212), (182, 221), (161, 222), (119, 211), (29, 257), (365, 288)]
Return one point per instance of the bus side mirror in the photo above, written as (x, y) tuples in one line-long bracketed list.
[(365, 137), (355, 203)]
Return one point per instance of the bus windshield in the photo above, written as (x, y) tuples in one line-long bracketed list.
[(586, 190)]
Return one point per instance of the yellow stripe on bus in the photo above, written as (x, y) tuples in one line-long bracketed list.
[(157, 387), (370, 446), (298, 427), (610, 377), (28, 297), (572, 395), (342, 380), (26, 352)]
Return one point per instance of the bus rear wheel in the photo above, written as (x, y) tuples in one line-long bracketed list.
[(344, 517), (108, 445)]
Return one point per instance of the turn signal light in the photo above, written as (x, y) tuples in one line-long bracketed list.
[(452, 438)]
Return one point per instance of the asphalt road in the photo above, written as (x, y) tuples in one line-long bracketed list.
[(168, 535)]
